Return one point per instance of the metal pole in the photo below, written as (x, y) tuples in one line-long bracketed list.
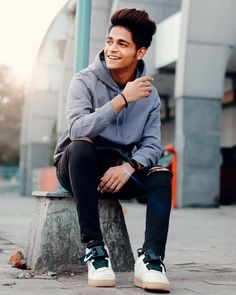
[(82, 34)]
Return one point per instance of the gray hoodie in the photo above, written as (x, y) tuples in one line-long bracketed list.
[(90, 114)]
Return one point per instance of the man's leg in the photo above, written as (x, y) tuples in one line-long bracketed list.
[(77, 171), (150, 272), (157, 187), (158, 211)]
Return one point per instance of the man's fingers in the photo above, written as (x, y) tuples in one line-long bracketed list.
[(122, 182), (113, 187), (148, 88), (147, 91), (113, 179), (102, 183), (118, 187), (147, 84), (109, 185), (145, 78)]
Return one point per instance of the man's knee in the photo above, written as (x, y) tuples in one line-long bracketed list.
[(161, 178), (81, 147)]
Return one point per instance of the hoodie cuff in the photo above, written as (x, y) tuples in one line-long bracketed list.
[(107, 112), (141, 160)]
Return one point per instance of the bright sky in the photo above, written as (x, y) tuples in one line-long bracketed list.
[(23, 24)]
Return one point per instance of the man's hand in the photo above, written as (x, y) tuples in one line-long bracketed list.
[(115, 177), (138, 89), (133, 91)]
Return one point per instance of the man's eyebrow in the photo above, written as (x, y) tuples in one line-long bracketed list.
[(120, 40), (124, 41)]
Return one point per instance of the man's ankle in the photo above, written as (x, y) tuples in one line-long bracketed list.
[(94, 243)]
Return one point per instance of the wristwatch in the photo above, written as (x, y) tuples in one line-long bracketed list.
[(135, 164)]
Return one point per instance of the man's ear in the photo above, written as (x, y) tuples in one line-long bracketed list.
[(141, 52)]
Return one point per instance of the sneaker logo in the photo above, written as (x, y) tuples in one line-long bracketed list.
[(88, 256)]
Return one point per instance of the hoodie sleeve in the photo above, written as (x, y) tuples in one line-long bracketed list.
[(82, 119), (149, 148)]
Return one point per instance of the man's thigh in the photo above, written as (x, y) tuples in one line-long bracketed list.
[(144, 184)]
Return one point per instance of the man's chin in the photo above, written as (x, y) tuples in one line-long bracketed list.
[(112, 67)]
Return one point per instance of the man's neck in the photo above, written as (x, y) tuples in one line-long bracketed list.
[(122, 78)]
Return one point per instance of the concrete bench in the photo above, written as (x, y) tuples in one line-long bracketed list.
[(54, 237)]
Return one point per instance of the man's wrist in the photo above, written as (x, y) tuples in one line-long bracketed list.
[(135, 164), (124, 98), (130, 168), (118, 103)]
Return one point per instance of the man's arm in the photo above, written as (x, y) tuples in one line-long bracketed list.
[(83, 121), (149, 148)]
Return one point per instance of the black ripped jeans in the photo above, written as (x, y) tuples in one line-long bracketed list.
[(79, 170)]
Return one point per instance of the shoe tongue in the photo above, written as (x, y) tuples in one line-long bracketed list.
[(152, 261), (95, 244), (150, 255)]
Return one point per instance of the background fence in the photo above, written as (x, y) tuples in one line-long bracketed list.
[(9, 179), (42, 179)]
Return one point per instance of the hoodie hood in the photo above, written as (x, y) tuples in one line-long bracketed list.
[(103, 73)]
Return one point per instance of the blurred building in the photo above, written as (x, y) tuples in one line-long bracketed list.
[(193, 61)]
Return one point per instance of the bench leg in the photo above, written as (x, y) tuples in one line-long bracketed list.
[(115, 235), (54, 239)]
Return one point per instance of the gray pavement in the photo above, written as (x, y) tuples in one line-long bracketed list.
[(200, 256)]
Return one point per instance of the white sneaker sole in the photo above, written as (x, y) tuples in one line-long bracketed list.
[(152, 286), (102, 283)]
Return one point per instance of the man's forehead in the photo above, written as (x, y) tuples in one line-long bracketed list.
[(118, 39), (120, 33)]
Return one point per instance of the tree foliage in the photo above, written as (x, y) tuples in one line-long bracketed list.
[(12, 94)]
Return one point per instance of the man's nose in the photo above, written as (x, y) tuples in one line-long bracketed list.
[(113, 47)]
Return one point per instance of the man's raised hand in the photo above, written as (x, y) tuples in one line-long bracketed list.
[(138, 89)]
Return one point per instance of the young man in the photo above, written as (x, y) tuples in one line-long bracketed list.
[(113, 108)]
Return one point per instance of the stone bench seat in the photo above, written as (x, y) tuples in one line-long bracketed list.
[(54, 237)]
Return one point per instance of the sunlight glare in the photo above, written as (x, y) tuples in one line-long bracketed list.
[(23, 25), (23, 72)]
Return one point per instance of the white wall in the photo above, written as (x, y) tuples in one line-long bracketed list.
[(167, 41)]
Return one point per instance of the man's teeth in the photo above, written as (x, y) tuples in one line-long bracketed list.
[(113, 57)]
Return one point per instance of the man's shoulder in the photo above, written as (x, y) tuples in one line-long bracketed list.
[(87, 76), (85, 73), (154, 93)]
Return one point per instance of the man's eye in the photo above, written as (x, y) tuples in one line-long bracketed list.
[(123, 45), (109, 42)]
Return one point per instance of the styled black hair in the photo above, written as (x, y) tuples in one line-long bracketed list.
[(137, 22)]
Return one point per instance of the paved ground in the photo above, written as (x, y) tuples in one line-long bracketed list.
[(201, 252)]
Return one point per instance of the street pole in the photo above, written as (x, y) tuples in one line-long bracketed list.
[(82, 34), (82, 40)]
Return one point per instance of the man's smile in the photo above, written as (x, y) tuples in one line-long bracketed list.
[(113, 57)]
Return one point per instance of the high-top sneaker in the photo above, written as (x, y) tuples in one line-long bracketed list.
[(100, 273), (150, 272)]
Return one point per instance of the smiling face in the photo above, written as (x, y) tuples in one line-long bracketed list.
[(120, 51)]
